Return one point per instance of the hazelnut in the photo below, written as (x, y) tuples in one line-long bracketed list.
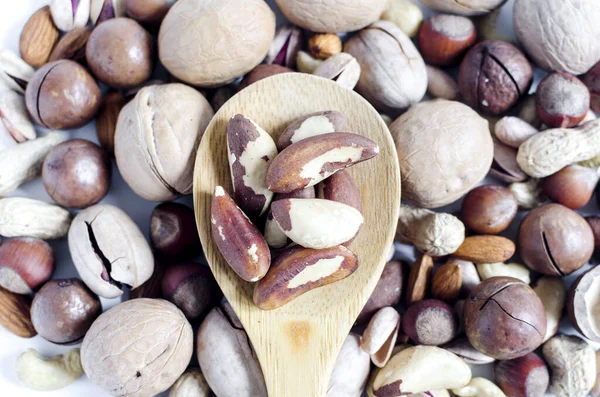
[(582, 304), (25, 264), (262, 72), (62, 95), (504, 318), (387, 292), (493, 76), (173, 231), (573, 186), (63, 310), (562, 100), (525, 376), (192, 288), (76, 173), (444, 39), (554, 240), (324, 45), (148, 11), (489, 209), (430, 322), (592, 81), (120, 53)]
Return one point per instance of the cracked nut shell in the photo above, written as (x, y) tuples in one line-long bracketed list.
[(555, 241), (504, 318), (155, 344), (62, 95), (493, 76)]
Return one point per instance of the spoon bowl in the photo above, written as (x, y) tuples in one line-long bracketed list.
[(297, 344)]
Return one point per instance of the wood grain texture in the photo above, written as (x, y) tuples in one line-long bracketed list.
[(297, 344)]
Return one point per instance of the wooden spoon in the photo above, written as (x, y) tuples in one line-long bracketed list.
[(297, 344)]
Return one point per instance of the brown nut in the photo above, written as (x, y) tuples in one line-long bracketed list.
[(440, 84), (573, 186), (485, 249), (221, 96), (148, 11), (581, 304), (15, 314), (262, 72), (419, 279), (592, 81), (554, 240), (106, 121), (299, 270), (562, 100), (173, 231), (25, 264), (77, 173), (465, 350), (525, 376), (504, 318), (317, 223), (192, 288), (120, 53), (239, 241), (62, 311), (505, 166), (38, 38), (250, 152), (489, 209), (340, 187), (311, 125), (430, 322), (151, 288), (324, 45), (285, 46), (72, 45), (447, 282), (513, 131), (444, 39), (493, 76), (101, 10), (313, 159), (594, 222), (62, 95), (387, 292)]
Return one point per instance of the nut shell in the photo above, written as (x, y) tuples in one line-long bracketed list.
[(387, 292), (444, 39), (25, 264), (562, 100), (464, 7), (582, 301)]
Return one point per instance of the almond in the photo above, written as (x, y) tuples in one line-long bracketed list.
[(316, 223), (15, 314), (299, 270), (485, 249), (106, 120), (72, 45), (311, 125), (38, 38), (314, 159), (418, 279), (447, 282), (250, 150), (238, 240)]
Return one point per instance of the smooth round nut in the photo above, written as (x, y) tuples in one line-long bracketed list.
[(573, 186), (441, 160), (76, 173), (62, 311), (155, 344), (489, 209), (430, 322), (443, 39), (504, 318), (148, 11), (62, 95), (554, 240), (493, 76), (203, 50), (562, 100), (120, 53), (25, 264), (173, 231)]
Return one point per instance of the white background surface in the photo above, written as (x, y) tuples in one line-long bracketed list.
[(13, 15)]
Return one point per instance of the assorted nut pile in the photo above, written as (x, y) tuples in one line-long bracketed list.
[(151, 74)]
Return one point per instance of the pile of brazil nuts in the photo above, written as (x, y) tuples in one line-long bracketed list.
[(492, 289)]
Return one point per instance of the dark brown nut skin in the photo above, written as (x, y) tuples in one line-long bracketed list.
[(148, 11), (387, 292), (573, 186), (72, 45), (493, 76), (77, 173), (525, 376), (308, 193), (504, 318), (594, 222), (62, 95), (15, 314), (192, 288), (489, 209), (151, 288), (63, 310), (340, 187), (106, 121), (443, 39), (581, 307), (555, 241), (25, 264), (430, 322), (262, 72), (561, 100), (592, 81), (121, 53), (173, 231)]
